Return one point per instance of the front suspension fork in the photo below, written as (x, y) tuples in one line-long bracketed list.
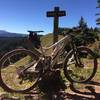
[(77, 59)]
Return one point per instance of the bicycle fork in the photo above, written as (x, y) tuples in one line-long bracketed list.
[(77, 59)]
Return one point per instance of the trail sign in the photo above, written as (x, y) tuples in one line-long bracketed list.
[(56, 14)]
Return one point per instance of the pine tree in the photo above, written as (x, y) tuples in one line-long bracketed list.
[(83, 24)]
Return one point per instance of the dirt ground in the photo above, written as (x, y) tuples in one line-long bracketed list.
[(89, 91), (75, 91)]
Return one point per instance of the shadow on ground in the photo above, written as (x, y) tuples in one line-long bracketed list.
[(56, 91), (89, 93), (52, 87)]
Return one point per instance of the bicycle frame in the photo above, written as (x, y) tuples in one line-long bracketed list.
[(57, 50)]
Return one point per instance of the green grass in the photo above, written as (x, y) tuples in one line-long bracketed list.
[(47, 40), (84, 72)]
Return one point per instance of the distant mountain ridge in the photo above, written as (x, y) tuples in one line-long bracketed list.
[(4, 33)]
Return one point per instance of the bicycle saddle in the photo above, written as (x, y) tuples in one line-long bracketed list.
[(34, 31)]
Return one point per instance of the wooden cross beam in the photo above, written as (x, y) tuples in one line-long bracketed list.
[(56, 14)]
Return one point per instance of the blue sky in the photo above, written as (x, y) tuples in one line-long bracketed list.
[(22, 15)]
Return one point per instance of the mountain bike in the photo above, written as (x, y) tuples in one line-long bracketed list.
[(21, 69)]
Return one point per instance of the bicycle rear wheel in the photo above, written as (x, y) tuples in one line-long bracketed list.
[(84, 72), (14, 70)]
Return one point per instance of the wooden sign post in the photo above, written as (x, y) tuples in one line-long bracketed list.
[(56, 14)]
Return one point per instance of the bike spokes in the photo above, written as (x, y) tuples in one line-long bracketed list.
[(80, 73), (14, 74), (83, 69)]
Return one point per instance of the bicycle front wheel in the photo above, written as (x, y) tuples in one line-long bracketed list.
[(83, 72), (14, 70)]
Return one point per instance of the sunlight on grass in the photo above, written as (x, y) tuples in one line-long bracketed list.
[(78, 73)]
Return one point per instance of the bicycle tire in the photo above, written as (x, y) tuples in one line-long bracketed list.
[(3, 61), (68, 71)]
